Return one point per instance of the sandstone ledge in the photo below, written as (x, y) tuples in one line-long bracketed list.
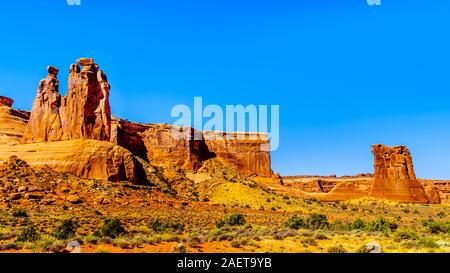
[(91, 159)]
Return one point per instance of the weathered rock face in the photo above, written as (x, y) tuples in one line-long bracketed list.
[(84, 112), (394, 176), (164, 149), (4, 101), (248, 152), (45, 121), (12, 122), (84, 158), (127, 135)]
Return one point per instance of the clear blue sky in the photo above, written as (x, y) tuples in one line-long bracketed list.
[(346, 75)]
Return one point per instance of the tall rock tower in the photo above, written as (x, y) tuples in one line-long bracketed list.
[(83, 113), (394, 175)]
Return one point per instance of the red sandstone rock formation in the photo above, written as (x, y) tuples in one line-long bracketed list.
[(6, 101), (84, 112), (394, 176), (248, 152), (84, 158), (165, 149), (45, 121), (12, 122)]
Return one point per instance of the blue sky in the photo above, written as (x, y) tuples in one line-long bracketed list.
[(346, 75)]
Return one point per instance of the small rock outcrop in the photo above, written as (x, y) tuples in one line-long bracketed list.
[(394, 176), (12, 122), (83, 113), (6, 101)]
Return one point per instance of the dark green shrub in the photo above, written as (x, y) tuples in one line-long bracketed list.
[(232, 220), (295, 222), (20, 214), (381, 225), (435, 228), (358, 224), (336, 249), (317, 221), (112, 228), (160, 227), (29, 234), (66, 230)]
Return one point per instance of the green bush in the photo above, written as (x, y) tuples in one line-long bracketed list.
[(29, 234), (66, 230), (317, 221), (160, 227), (358, 224), (295, 222), (336, 249), (112, 228), (435, 228), (381, 225), (406, 235), (20, 214), (232, 220)]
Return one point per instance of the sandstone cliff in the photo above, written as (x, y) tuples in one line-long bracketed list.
[(248, 152), (12, 122), (84, 158), (394, 176)]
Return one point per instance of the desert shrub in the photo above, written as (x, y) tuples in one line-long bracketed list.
[(160, 227), (441, 214), (112, 228), (336, 249), (358, 224), (320, 236), (92, 239), (309, 241), (317, 221), (381, 225), (193, 241), (56, 247), (236, 244), (435, 228), (66, 230), (338, 225), (295, 222), (406, 235), (123, 243), (29, 234), (428, 243), (9, 246), (180, 248), (20, 214), (232, 220)]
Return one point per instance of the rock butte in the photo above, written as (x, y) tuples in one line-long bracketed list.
[(76, 134), (394, 175)]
